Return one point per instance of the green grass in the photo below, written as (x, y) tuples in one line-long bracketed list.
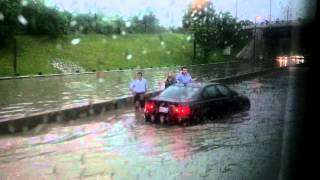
[(99, 52)]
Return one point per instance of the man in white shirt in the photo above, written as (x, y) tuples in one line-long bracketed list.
[(139, 88), (184, 77)]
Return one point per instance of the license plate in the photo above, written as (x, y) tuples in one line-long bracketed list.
[(163, 109)]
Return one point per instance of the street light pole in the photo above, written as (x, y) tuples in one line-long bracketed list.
[(15, 56), (254, 39), (288, 14), (236, 9), (270, 10)]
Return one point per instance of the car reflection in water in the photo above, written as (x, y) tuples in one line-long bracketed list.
[(285, 61), (193, 102)]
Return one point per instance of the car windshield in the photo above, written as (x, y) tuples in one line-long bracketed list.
[(183, 92)]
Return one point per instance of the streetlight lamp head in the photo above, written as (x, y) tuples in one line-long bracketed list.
[(258, 18), (199, 4)]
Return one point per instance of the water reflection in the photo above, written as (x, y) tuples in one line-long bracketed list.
[(285, 61), (121, 145)]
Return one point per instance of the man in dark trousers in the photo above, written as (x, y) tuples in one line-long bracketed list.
[(139, 88)]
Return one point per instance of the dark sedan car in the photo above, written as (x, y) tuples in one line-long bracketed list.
[(190, 103)]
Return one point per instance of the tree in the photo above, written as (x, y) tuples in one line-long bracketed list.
[(42, 20), (202, 23), (150, 22), (9, 25), (146, 24), (211, 30), (118, 25), (137, 25)]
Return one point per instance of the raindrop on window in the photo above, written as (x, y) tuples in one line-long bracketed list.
[(162, 43), (144, 51), (129, 56), (193, 13), (128, 24), (114, 36), (81, 28), (105, 19), (24, 3), (73, 23), (12, 129), (75, 41), (59, 46), (1, 16), (168, 52), (188, 38), (123, 33), (22, 20), (204, 19)]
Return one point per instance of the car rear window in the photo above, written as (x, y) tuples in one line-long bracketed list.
[(183, 92)]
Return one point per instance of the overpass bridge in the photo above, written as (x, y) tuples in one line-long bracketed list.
[(275, 24), (272, 39)]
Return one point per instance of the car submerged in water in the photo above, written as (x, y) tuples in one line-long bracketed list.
[(191, 103)]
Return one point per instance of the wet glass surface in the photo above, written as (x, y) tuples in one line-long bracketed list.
[(120, 145)]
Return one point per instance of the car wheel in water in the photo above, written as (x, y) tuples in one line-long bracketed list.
[(246, 105), (152, 118), (161, 120)]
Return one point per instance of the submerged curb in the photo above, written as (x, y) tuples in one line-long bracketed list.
[(23, 124)]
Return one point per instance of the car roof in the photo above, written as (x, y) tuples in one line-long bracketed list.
[(197, 84)]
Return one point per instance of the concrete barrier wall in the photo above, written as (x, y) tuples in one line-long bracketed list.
[(23, 124)]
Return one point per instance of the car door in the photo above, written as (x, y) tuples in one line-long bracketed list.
[(227, 96), (212, 101)]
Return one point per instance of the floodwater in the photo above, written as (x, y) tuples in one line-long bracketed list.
[(120, 145), (28, 96)]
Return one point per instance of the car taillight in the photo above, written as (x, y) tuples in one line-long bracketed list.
[(182, 111), (150, 107)]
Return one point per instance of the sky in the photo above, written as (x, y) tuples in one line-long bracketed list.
[(170, 12)]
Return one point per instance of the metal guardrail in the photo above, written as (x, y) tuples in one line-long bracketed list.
[(266, 24)]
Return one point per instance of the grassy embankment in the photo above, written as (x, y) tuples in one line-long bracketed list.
[(98, 52)]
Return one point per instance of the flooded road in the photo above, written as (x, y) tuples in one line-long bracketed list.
[(28, 96), (120, 145)]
